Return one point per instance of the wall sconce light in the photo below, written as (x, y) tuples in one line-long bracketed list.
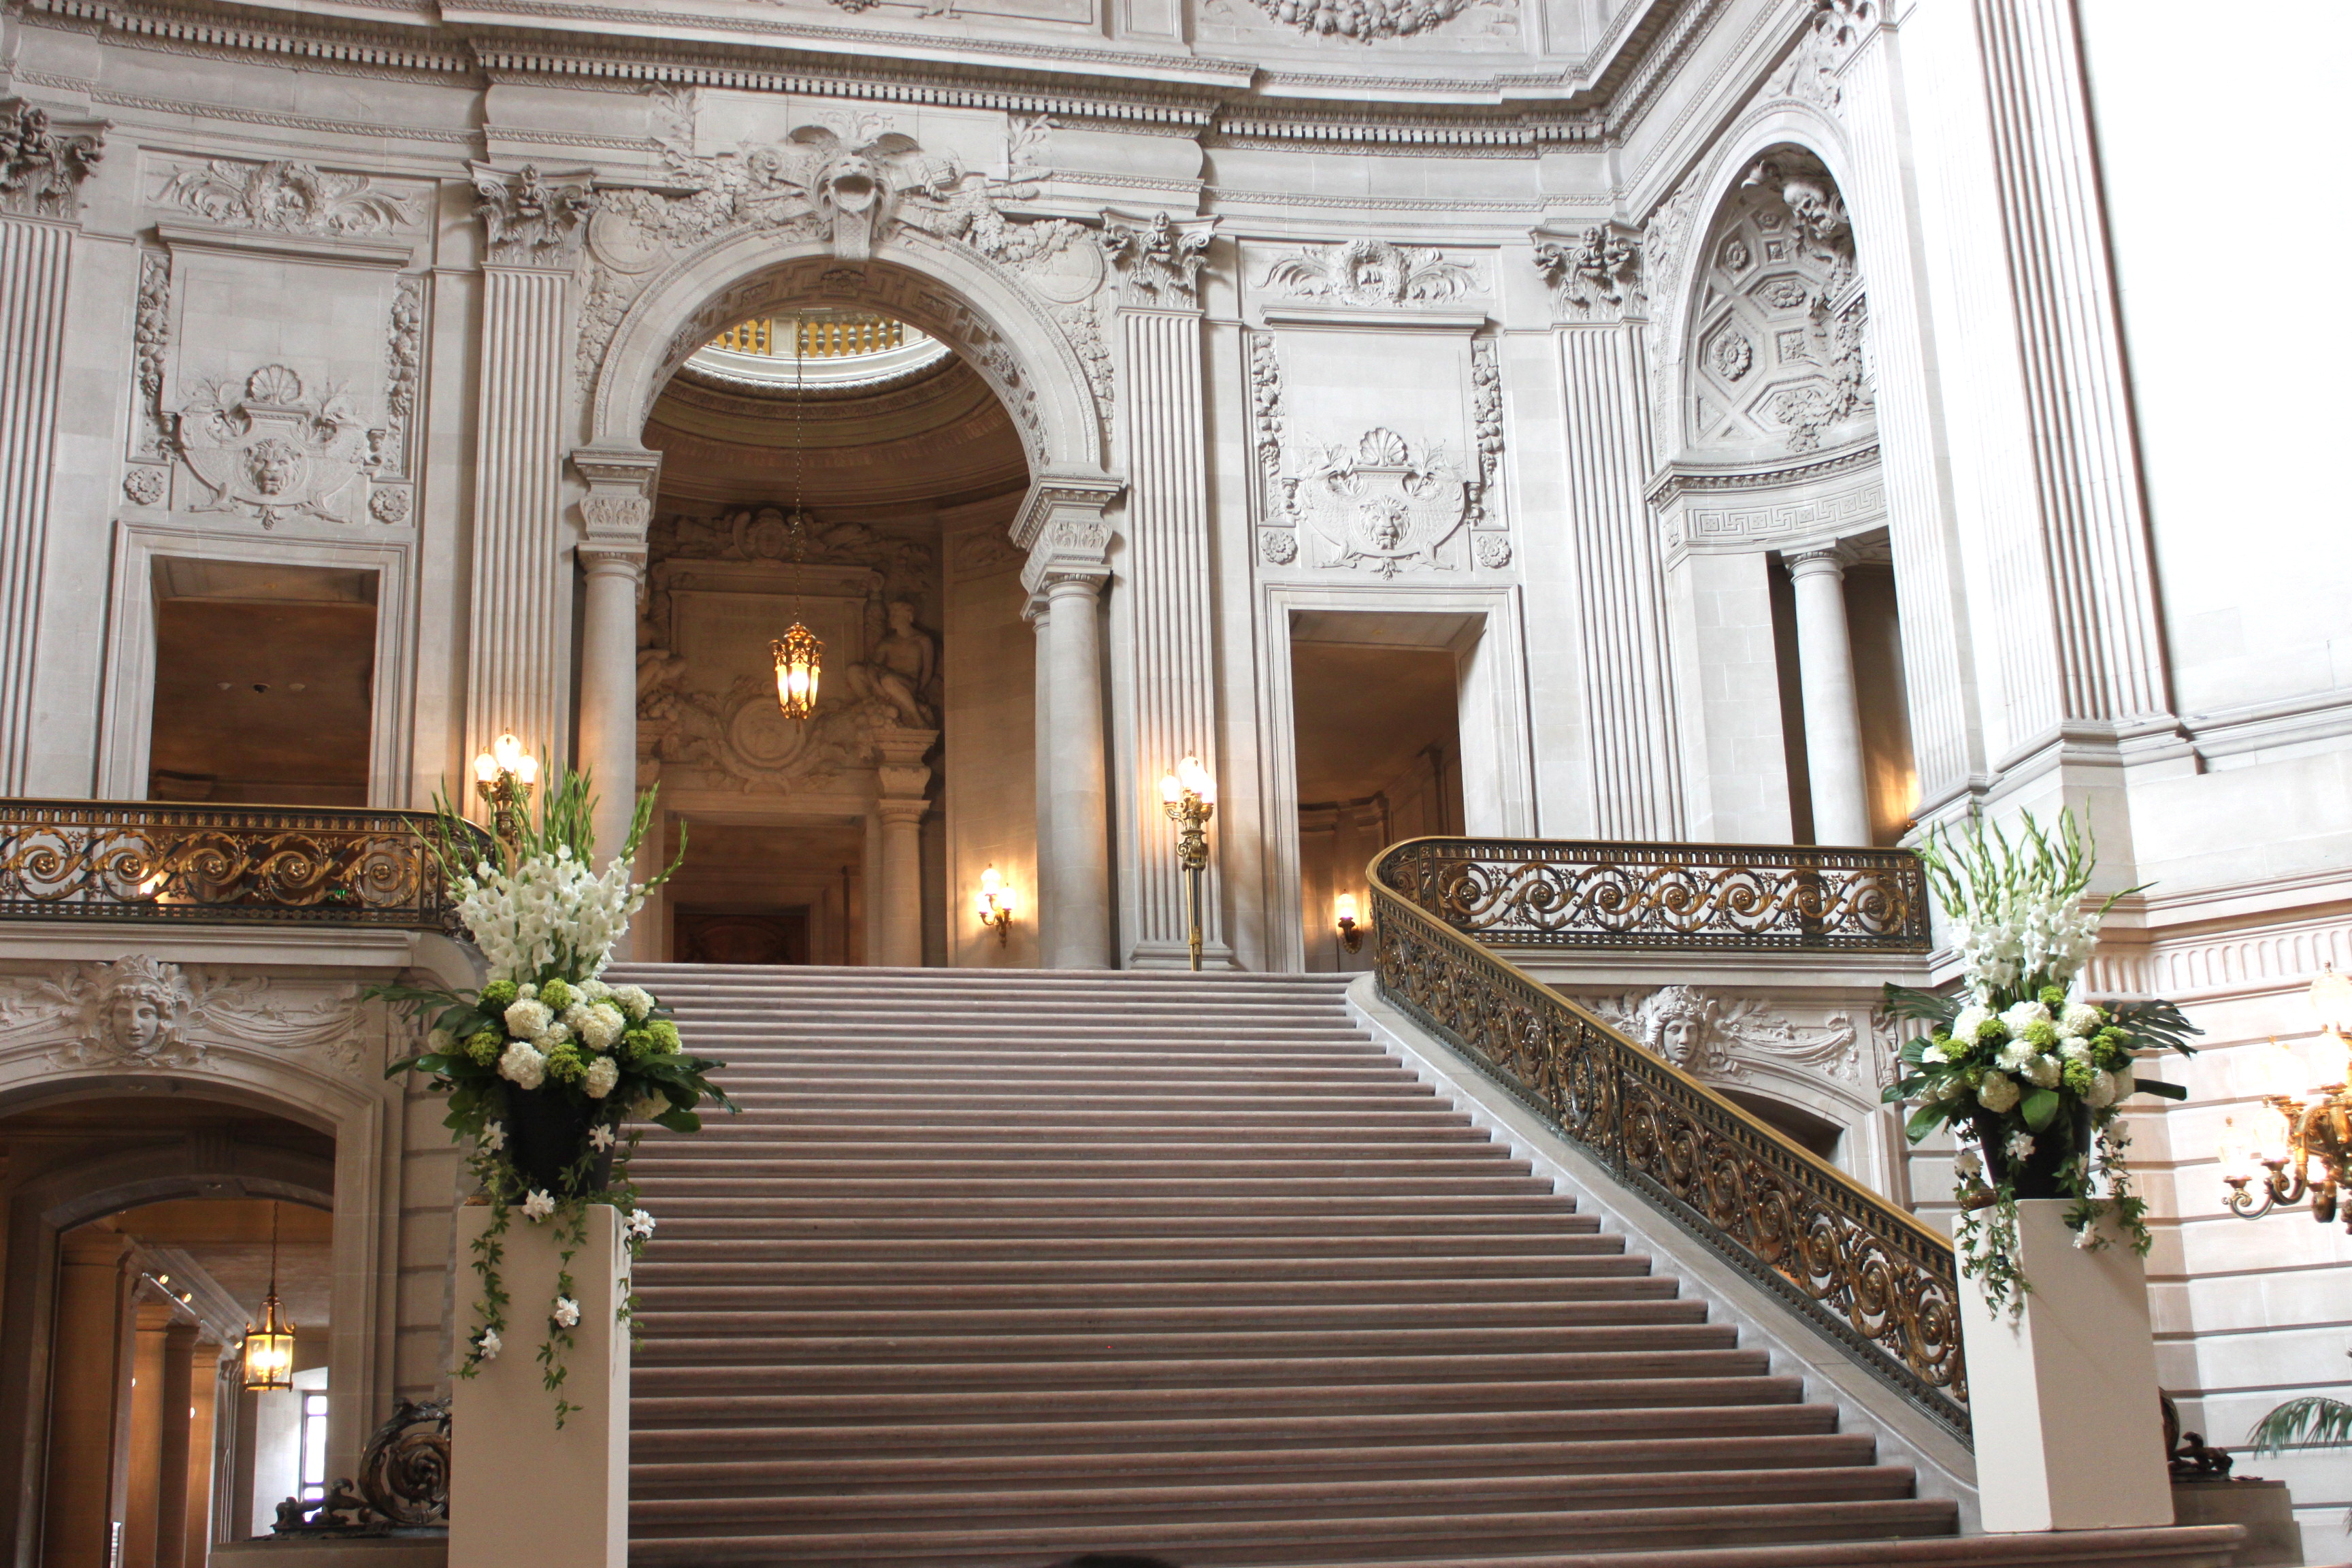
[(268, 1351), (1350, 936), (1189, 797), (504, 776), (994, 904), (800, 659), (2296, 1125)]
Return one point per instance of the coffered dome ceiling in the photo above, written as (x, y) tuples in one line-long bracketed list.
[(930, 437)]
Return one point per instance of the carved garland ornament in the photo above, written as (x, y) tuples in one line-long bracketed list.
[(138, 1012), (287, 196), (1363, 20), (151, 340), (1371, 272)]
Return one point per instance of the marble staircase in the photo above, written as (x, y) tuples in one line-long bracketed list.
[(999, 1268)]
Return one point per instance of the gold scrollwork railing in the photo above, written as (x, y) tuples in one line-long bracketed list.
[(79, 859), (1874, 1279), (1726, 897)]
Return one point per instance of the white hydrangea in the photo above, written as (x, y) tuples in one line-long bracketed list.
[(550, 1037), (1934, 1053), (650, 1104), (2102, 1092), (1997, 1093), (2014, 1056), (603, 1074), (522, 1066), (2074, 1050), (2080, 1020), (441, 1042), (597, 1024), (2044, 1071), (527, 991), (593, 990), (2023, 1013), (552, 912), (528, 1017), (1971, 1018), (636, 1001)]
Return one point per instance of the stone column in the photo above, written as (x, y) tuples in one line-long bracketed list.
[(902, 806), (1173, 673), (1069, 545), (519, 646), (1636, 752), (1832, 716), (39, 216), (614, 516), (85, 1375), (172, 1459)]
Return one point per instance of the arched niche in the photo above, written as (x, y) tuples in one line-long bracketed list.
[(1775, 362)]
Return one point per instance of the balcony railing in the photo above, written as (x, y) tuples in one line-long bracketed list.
[(1874, 1279), (112, 860), (1735, 897)]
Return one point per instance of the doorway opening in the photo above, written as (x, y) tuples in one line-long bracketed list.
[(841, 471), (151, 1449), (265, 680), (1378, 749)]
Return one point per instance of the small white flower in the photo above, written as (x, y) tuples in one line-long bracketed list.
[(538, 1206), (603, 1074), (2021, 1145), (2083, 1239), (600, 1138), (490, 1344), (566, 1313), (494, 1136), (1997, 1093), (1969, 1165), (641, 1224), (522, 1066)]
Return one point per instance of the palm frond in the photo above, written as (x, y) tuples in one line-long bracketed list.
[(2157, 1023), (2314, 1420)]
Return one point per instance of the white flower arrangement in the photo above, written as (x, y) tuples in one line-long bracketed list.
[(2018, 1063)]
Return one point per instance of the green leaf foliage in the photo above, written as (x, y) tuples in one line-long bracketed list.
[(2312, 1422)]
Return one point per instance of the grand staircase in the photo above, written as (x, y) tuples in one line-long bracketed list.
[(1004, 1268)]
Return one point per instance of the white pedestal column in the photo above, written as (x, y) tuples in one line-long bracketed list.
[(1073, 879), (2068, 1430), (1832, 718), (522, 1493), (608, 690)]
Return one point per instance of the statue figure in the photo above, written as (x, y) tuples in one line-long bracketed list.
[(901, 669), (1678, 1024)]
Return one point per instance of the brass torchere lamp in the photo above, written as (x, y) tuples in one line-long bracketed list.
[(1189, 797), (268, 1351), (994, 905), (503, 777), (2298, 1124)]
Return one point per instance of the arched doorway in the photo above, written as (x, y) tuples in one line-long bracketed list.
[(843, 471)]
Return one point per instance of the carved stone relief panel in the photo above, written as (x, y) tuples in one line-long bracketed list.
[(287, 196), (1837, 1050), (140, 1013), (1369, 273), (1445, 26), (720, 588), (1774, 359)]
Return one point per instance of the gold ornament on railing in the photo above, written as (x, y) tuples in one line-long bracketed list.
[(1872, 1276)]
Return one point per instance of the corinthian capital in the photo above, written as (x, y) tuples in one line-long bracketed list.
[(1595, 275), (1159, 258), (44, 160), (532, 219)]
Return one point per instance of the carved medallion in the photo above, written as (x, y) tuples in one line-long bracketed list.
[(1382, 504), (274, 453)]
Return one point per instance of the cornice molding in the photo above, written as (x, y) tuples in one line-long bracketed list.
[(1690, 478)]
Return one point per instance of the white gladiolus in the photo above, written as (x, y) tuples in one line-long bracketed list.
[(603, 1074), (528, 1017), (1998, 1093), (522, 1066), (552, 912), (2080, 1019), (636, 1001)]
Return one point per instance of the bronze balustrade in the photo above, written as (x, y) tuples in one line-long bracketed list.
[(1736, 897), (80, 860), (1874, 1279)]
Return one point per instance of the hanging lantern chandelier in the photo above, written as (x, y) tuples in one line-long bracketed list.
[(268, 1351), (799, 662)]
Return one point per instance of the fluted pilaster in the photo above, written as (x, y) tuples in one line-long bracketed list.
[(1175, 670), (1637, 790), (521, 631), (33, 265)]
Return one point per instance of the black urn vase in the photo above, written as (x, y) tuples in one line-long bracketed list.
[(2036, 1176), (546, 1134)]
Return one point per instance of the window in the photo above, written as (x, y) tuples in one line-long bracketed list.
[(314, 1447)]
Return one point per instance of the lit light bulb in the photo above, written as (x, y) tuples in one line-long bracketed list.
[(1171, 788), (509, 752), (2274, 1138), (2235, 1149), (1347, 908), (486, 768), (2281, 1072), (1195, 777), (2331, 1060)]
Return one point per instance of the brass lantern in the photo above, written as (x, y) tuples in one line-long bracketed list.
[(799, 662), (268, 1351)]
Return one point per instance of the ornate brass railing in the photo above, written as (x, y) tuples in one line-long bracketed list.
[(79, 859), (1874, 1279), (1732, 896)]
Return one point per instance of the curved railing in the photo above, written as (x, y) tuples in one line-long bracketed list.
[(1745, 898), (1869, 1275), (81, 860)]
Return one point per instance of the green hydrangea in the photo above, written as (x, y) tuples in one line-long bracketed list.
[(498, 995), (484, 1045), (557, 995), (2043, 1034), (1992, 1032), (2052, 997), (564, 1064), (665, 1034), (2076, 1077), (637, 1045), (2113, 1039)]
